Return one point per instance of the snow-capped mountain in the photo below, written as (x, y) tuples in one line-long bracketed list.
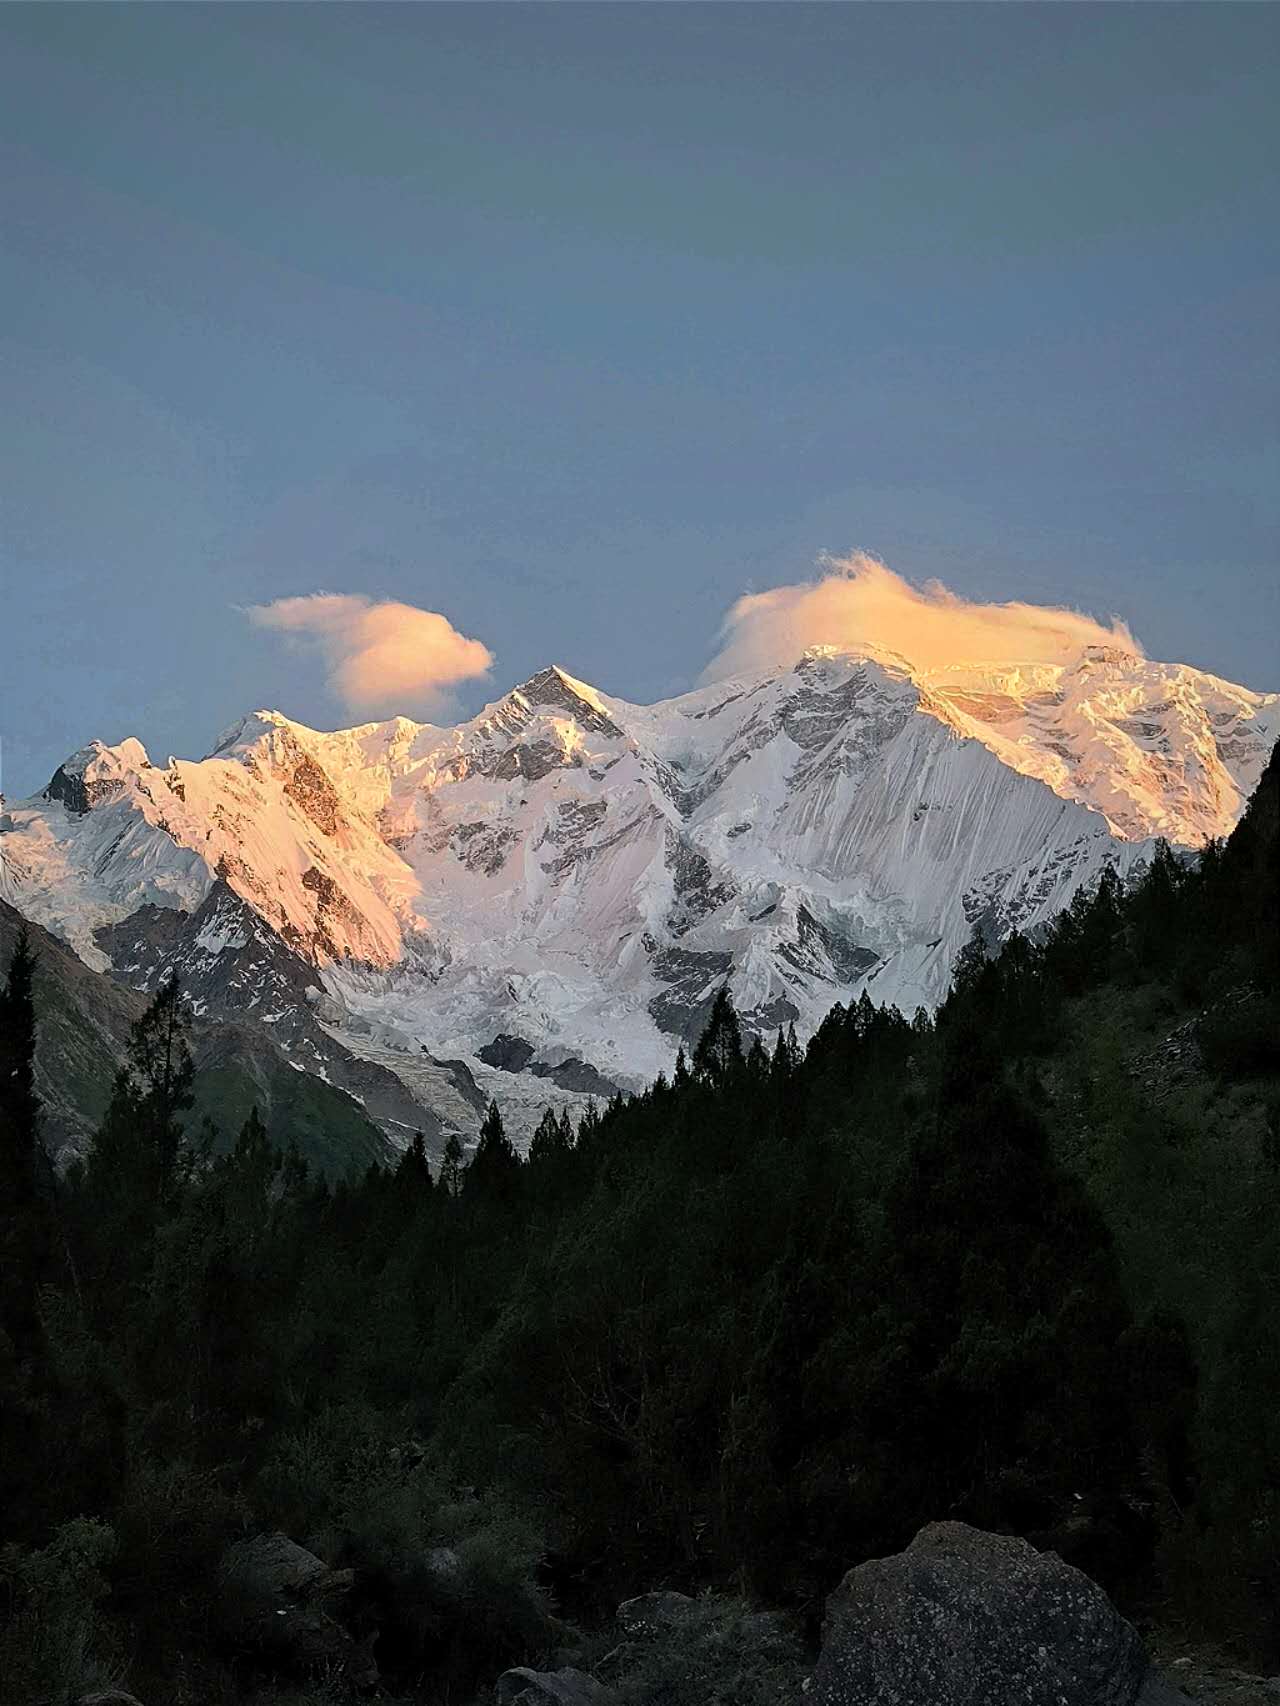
[(541, 902)]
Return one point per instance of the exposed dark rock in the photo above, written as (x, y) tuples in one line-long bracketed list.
[(281, 1601), (963, 1618), (532, 760), (482, 846), (684, 1006), (70, 789), (309, 787), (524, 1687), (825, 953), (576, 1074), (507, 1053), (77, 790), (648, 1613), (575, 824), (550, 688), (697, 893), (765, 1020), (331, 903), (514, 1054)]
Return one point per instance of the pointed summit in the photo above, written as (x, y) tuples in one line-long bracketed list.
[(554, 688)]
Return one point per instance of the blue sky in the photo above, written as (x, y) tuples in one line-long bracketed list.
[(574, 323)]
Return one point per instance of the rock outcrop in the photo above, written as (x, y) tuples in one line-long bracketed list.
[(569, 1687), (648, 1613), (281, 1601), (963, 1618)]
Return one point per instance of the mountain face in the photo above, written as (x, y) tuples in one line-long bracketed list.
[(542, 902), (85, 1018)]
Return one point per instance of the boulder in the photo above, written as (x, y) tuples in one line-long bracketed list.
[(524, 1687), (649, 1613), (963, 1618), (284, 1602)]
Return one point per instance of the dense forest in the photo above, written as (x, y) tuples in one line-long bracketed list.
[(1017, 1263)]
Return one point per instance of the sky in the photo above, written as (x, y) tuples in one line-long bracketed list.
[(569, 327)]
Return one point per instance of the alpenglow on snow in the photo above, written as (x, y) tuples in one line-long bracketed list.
[(542, 902)]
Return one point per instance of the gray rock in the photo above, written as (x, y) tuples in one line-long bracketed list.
[(963, 1618), (524, 1687), (648, 1613), (271, 1565), (279, 1599), (108, 1697)]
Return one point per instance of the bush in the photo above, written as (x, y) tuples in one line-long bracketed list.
[(720, 1652), (51, 1642), (449, 1581)]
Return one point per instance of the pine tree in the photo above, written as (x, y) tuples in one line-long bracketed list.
[(162, 1070), (19, 1104), (24, 1214), (414, 1171), (451, 1166), (249, 1173), (131, 1179), (757, 1061), (549, 1142), (719, 1051), (495, 1167)]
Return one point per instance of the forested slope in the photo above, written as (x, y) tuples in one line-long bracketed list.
[(1018, 1266)]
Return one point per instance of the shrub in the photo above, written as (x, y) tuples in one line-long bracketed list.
[(51, 1641), (449, 1581), (720, 1653)]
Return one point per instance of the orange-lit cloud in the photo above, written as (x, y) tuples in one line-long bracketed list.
[(857, 602), (383, 656)]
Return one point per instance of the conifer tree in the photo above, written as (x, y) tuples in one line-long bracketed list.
[(160, 1059), (495, 1166), (133, 1169), (451, 1166), (249, 1173), (19, 1104), (24, 1222), (414, 1170), (719, 1051), (549, 1142)]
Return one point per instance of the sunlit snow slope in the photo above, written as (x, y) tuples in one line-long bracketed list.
[(550, 894)]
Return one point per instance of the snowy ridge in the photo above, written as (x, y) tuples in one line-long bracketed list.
[(572, 877)]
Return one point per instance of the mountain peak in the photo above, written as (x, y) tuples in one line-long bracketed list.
[(554, 688), (96, 772), (251, 727)]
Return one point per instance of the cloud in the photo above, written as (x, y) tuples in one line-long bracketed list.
[(857, 602), (381, 656)]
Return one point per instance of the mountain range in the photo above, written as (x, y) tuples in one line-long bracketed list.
[(540, 903)]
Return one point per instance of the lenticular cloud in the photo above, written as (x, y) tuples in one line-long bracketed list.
[(857, 602), (381, 656)]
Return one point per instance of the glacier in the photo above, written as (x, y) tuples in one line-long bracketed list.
[(541, 902)]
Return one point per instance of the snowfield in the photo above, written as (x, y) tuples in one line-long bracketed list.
[(563, 882)]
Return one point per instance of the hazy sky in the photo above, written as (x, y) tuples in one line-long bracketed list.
[(576, 323)]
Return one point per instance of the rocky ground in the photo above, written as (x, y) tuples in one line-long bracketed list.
[(1205, 1674)]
